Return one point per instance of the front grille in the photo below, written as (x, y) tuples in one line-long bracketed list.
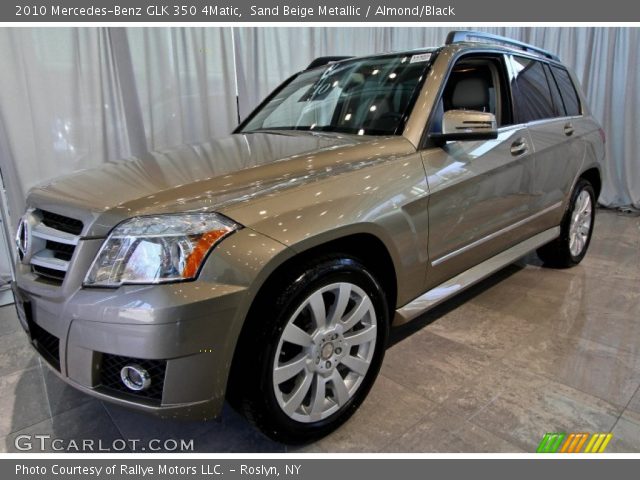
[(46, 344), (55, 240), (110, 376), (62, 223)]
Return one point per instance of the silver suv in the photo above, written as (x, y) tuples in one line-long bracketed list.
[(267, 267)]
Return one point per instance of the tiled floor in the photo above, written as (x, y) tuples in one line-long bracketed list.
[(531, 350)]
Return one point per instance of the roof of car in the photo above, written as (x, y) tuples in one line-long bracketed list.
[(323, 61), (459, 40)]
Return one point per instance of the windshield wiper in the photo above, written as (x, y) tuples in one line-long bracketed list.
[(270, 129)]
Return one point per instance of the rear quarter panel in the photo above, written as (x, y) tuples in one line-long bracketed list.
[(593, 150)]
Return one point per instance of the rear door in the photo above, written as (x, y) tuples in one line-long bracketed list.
[(553, 127)]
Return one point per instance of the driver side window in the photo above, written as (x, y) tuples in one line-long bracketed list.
[(476, 84)]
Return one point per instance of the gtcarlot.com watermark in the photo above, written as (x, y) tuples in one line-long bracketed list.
[(27, 443)]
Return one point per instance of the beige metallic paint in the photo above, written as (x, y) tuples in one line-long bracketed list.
[(293, 191)]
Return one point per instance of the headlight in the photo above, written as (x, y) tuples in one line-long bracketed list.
[(157, 249)]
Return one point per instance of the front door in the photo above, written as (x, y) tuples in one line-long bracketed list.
[(480, 191)]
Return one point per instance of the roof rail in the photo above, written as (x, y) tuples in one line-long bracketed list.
[(457, 36), (324, 61)]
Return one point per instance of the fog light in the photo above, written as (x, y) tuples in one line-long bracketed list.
[(135, 377)]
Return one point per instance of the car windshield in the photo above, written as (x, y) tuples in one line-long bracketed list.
[(369, 96)]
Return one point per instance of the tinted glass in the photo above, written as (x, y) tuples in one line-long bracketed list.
[(555, 93), (532, 96), (368, 96), (567, 90)]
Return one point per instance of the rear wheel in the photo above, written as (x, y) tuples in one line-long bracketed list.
[(577, 226), (311, 353)]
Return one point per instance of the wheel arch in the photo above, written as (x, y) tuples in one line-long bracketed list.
[(376, 256), (361, 243), (593, 176)]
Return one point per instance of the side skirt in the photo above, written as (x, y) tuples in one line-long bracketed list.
[(466, 279)]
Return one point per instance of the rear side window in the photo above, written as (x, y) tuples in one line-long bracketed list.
[(555, 93), (567, 90), (531, 93)]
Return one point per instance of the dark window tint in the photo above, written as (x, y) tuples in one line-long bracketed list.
[(532, 97), (567, 90), (555, 93)]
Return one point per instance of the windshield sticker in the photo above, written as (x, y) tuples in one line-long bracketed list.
[(423, 57)]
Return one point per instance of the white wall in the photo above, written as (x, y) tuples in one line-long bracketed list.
[(5, 267), (5, 258), (73, 98)]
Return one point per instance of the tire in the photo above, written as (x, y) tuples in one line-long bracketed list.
[(575, 230), (296, 378)]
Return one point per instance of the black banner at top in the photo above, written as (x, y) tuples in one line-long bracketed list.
[(460, 11)]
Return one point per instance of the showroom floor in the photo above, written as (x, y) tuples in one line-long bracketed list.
[(529, 351)]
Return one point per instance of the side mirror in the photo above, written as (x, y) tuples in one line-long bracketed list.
[(466, 125)]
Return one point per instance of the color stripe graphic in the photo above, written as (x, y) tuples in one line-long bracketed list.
[(574, 442)]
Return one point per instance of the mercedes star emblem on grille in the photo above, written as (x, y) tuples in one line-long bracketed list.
[(23, 239)]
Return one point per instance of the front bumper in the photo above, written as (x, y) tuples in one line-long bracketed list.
[(187, 337), (186, 332)]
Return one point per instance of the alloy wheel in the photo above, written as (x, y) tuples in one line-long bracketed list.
[(580, 227), (325, 351)]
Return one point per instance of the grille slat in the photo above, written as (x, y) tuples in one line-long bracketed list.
[(62, 251), (49, 273), (110, 376)]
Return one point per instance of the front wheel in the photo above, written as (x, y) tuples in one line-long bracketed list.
[(576, 229), (312, 353)]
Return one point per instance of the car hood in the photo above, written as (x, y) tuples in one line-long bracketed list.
[(205, 177)]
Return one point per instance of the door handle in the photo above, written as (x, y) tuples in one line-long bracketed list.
[(518, 147), (568, 129)]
